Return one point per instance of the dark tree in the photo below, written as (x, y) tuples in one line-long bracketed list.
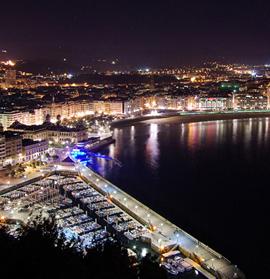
[(41, 253)]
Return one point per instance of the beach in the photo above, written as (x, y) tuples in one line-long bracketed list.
[(191, 117)]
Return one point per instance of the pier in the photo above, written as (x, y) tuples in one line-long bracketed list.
[(163, 235)]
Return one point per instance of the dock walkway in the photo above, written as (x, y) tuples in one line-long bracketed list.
[(164, 234)]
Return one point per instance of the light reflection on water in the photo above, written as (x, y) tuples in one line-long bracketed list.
[(152, 146), (216, 169)]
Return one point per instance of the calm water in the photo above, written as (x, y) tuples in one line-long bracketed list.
[(209, 178)]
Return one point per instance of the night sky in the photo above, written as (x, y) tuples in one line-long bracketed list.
[(142, 33)]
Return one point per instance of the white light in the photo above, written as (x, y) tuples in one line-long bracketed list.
[(144, 252), (253, 73), (154, 113)]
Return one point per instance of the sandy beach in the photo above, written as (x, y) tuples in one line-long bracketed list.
[(189, 118)]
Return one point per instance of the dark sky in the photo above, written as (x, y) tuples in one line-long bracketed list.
[(146, 33)]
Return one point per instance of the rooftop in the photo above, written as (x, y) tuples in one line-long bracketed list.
[(45, 126)]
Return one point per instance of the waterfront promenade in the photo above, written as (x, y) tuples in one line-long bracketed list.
[(163, 234)]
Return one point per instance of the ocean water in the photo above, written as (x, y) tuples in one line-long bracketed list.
[(210, 178)]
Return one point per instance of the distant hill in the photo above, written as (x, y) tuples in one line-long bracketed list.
[(46, 66), (122, 79)]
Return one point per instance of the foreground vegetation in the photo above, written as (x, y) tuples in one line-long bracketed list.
[(39, 252)]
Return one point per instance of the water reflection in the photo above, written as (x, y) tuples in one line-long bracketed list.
[(152, 146), (149, 146), (216, 166)]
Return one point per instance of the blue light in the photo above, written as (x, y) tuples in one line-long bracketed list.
[(86, 157)]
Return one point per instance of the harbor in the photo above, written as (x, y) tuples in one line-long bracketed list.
[(164, 235), (107, 210)]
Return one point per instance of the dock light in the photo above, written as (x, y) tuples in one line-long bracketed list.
[(193, 79), (196, 272), (144, 252), (97, 180), (114, 192), (153, 228), (134, 247), (125, 199), (161, 224)]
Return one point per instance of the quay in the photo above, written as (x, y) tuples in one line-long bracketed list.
[(163, 235), (159, 234)]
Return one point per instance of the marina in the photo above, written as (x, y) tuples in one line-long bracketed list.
[(93, 210)]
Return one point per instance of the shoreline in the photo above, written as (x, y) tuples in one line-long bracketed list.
[(191, 118)]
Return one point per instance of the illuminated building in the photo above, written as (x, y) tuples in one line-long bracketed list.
[(50, 132), (250, 101), (8, 117), (214, 103), (109, 107), (2, 150), (10, 78), (11, 148), (32, 150)]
